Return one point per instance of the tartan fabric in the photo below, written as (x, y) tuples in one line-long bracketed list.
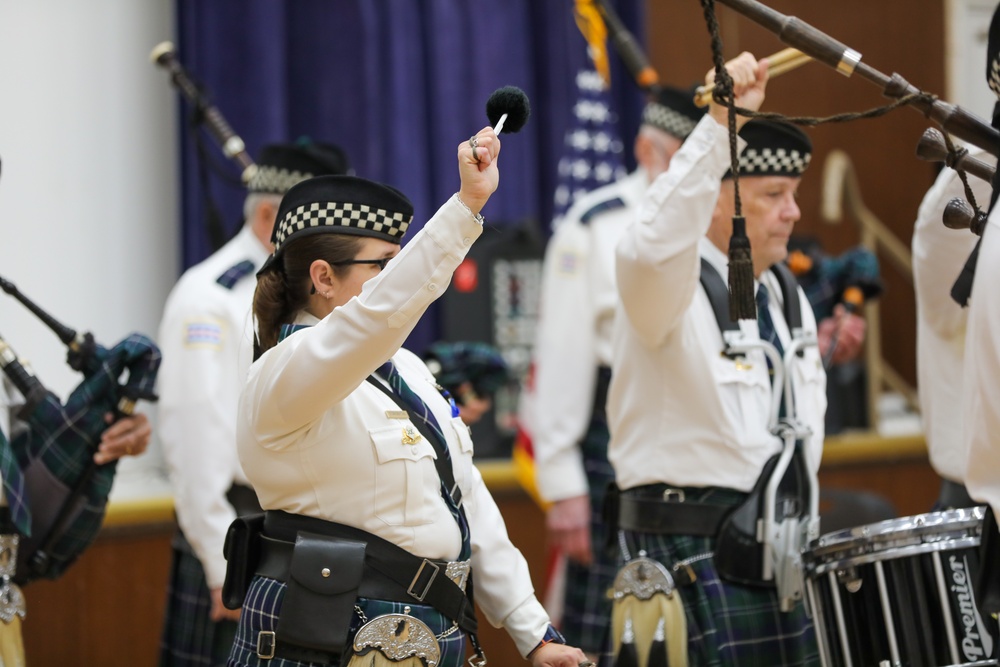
[(65, 437), (189, 637), (480, 364), (13, 487), (586, 608), (824, 283), (764, 322), (417, 405), (263, 607), (729, 625)]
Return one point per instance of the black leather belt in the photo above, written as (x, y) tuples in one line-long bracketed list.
[(390, 573), (668, 513)]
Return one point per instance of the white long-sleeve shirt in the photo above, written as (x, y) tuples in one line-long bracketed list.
[(981, 394), (574, 332), (207, 343), (939, 254), (316, 439), (681, 412)]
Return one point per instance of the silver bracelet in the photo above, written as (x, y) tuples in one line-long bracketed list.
[(477, 216)]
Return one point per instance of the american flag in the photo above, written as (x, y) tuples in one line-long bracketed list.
[(592, 147)]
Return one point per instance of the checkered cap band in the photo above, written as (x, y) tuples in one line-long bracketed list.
[(773, 162), (373, 220), (668, 120), (994, 76), (275, 180)]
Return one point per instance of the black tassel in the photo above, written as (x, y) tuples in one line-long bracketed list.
[(627, 655), (658, 649), (741, 297), (962, 288)]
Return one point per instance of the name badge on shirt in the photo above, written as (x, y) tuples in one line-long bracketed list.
[(396, 414)]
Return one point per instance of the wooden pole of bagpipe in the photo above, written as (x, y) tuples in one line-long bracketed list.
[(933, 148), (628, 49), (820, 46), (958, 213), (80, 345), (233, 147)]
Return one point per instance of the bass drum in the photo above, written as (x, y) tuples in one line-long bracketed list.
[(900, 593)]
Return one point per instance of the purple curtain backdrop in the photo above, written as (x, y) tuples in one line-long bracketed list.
[(398, 84)]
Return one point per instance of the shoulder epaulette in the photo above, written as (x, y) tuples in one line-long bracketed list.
[(602, 207), (235, 273)]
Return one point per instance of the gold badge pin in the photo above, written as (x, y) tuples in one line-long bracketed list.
[(411, 435), (396, 414)]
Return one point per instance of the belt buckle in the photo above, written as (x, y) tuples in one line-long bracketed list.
[(266, 644), (427, 586), (673, 495)]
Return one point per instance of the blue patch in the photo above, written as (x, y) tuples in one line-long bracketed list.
[(602, 207), (235, 273)]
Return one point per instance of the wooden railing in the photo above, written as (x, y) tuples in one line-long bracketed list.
[(842, 196)]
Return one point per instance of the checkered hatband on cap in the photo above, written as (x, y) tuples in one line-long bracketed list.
[(778, 161), (280, 166), (362, 217), (673, 111), (774, 148), (275, 180), (339, 205)]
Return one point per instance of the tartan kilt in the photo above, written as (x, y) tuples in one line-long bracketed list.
[(262, 608), (190, 637), (586, 614), (729, 625)]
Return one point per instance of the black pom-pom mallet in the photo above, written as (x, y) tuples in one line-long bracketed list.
[(508, 109)]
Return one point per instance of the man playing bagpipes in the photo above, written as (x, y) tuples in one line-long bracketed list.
[(689, 410), (58, 460)]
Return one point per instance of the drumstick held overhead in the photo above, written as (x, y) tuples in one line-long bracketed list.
[(783, 61)]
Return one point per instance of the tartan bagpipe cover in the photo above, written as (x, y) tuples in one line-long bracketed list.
[(67, 492)]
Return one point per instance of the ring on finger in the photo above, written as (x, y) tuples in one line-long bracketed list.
[(474, 142)]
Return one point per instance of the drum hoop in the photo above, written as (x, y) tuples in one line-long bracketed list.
[(892, 554), (941, 525)]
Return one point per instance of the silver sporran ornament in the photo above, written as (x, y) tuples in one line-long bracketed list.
[(398, 638)]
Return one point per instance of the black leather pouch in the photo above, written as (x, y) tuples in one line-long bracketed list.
[(242, 552), (739, 557), (324, 577)]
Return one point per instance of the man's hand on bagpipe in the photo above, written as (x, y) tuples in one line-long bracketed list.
[(128, 436)]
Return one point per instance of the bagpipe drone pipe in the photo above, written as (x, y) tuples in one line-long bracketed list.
[(66, 490)]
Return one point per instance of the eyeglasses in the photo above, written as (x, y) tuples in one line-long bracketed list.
[(379, 262)]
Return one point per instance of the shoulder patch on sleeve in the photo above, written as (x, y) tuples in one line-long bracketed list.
[(602, 207), (205, 334), (235, 273)]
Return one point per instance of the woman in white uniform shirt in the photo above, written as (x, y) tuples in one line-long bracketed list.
[(346, 474)]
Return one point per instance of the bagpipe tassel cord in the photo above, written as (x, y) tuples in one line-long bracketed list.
[(741, 292), (742, 305), (639, 626)]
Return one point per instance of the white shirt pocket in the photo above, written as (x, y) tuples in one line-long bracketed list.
[(745, 393), (406, 480)]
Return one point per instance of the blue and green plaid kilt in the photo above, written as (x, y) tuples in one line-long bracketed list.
[(586, 606), (728, 625), (190, 637), (262, 608)]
